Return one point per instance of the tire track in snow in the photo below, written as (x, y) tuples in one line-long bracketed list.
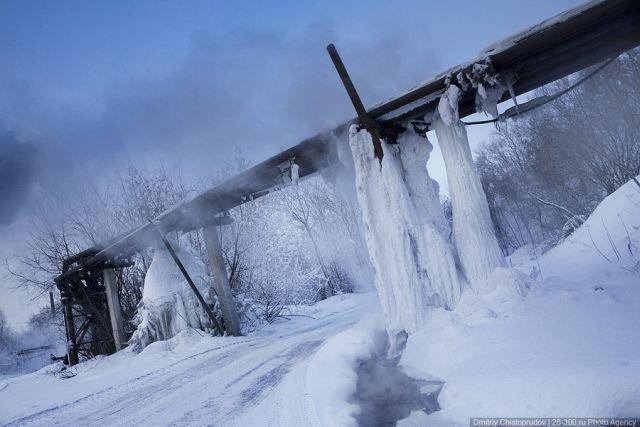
[(114, 392), (256, 390), (210, 388)]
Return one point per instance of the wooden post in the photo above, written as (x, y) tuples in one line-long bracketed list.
[(115, 314), (221, 281), (70, 327), (52, 305), (363, 117), (194, 288)]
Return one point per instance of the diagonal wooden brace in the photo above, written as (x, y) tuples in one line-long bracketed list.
[(192, 285), (364, 120)]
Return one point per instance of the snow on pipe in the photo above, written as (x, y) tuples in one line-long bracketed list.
[(413, 263), (473, 232)]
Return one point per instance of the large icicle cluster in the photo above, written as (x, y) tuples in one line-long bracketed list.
[(168, 304), (413, 262), (473, 231)]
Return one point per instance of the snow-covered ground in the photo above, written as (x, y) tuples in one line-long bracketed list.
[(569, 347), (260, 379)]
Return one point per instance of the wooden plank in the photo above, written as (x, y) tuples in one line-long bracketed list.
[(363, 117)]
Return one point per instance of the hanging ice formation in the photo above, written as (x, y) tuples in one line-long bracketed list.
[(425, 192), (473, 232), (168, 304), (413, 263)]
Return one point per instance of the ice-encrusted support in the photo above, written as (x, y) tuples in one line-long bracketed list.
[(115, 312), (473, 232), (192, 285), (221, 280), (169, 303), (413, 263)]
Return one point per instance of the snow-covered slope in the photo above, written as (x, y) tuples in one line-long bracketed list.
[(569, 347)]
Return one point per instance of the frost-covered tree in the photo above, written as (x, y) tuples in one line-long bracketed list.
[(6, 334), (66, 223), (546, 171)]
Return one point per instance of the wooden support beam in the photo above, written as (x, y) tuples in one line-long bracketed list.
[(221, 281), (52, 305), (115, 312), (364, 119), (70, 327)]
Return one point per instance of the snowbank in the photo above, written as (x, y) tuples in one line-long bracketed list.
[(332, 374), (606, 248), (570, 346)]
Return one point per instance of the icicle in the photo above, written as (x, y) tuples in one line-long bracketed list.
[(413, 265), (487, 99), (473, 232), (512, 93), (424, 191), (294, 172)]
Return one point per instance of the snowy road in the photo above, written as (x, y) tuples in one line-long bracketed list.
[(259, 379)]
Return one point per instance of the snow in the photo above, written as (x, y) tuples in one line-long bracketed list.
[(606, 247), (567, 344), (413, 264), (473, 232), (194, 379)]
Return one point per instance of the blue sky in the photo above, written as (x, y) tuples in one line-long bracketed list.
[(186, 82)]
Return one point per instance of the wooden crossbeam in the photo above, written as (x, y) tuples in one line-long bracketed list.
[(364, 119)]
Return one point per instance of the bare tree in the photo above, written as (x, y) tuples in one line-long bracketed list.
[(6, 334), (545, 172)]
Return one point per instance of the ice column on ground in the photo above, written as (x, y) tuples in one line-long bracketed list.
[(168, 304), (413, 263), (473, 232)]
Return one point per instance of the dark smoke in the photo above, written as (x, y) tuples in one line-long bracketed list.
[(260, 91), (18, 172)]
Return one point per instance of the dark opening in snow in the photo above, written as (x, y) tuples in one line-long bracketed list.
[(386, 394)]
